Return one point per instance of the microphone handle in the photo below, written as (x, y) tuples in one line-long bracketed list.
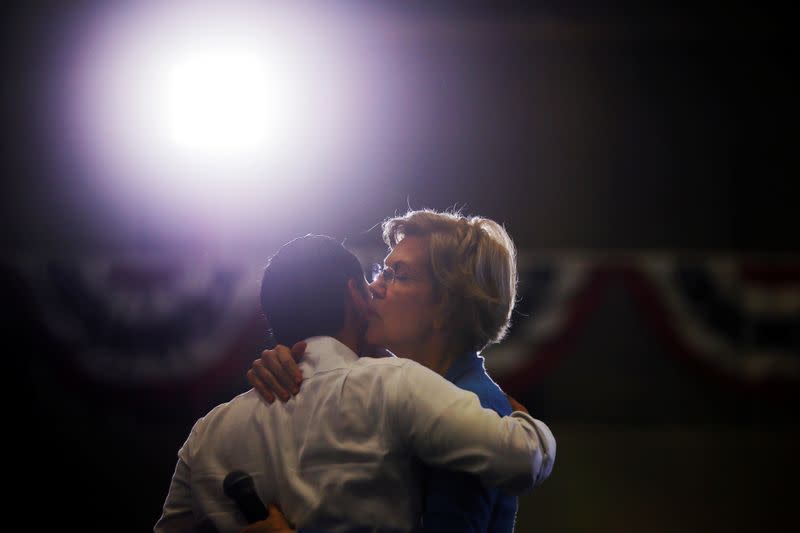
[(252, 507)]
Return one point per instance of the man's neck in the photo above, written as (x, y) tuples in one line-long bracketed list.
[(350, 338)]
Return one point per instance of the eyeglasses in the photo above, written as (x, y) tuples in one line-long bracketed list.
[(389, 274), (377, 269)]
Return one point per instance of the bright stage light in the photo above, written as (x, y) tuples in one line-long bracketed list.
[(222, 99), (220, 102), (205, 101)]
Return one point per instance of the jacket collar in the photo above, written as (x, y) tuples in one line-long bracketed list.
[(468, 362)]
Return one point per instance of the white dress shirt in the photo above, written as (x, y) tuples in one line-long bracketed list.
[(340, 454)]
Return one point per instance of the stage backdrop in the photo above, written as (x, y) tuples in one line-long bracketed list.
[(644, 365)]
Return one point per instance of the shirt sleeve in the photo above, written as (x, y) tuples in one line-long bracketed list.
[(446, 427), (177, 514)]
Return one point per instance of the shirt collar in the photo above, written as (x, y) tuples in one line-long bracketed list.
[(325, 353), (463, 365)]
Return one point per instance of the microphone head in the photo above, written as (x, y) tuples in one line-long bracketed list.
[(239, 487), (237, 483)]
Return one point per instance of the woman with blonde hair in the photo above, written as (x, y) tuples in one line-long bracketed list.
[(444, 292)]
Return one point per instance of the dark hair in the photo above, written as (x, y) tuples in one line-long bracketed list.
[(304, 288)]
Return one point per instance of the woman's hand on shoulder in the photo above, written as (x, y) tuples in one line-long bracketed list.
[(276, 374)]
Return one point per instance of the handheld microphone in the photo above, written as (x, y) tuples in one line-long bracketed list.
[(239, 487)]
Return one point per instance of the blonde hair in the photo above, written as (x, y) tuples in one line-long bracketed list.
[(474, 266)]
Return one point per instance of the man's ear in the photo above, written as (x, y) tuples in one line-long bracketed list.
[(355, 293)]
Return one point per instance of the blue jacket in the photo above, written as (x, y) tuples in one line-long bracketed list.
[(456, 501)]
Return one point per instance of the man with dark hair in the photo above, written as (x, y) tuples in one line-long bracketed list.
[(304, 288), (341, 455)]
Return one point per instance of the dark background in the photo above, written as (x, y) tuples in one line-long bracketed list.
[(595, 129)]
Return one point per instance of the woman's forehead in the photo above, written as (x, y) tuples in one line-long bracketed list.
[(412, 250)]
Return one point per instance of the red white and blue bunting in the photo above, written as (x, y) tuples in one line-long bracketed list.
[(160, 320), (737, 318)]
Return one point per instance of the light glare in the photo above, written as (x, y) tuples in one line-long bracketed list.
[(206, 117), (220, 104), (188, 100)]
